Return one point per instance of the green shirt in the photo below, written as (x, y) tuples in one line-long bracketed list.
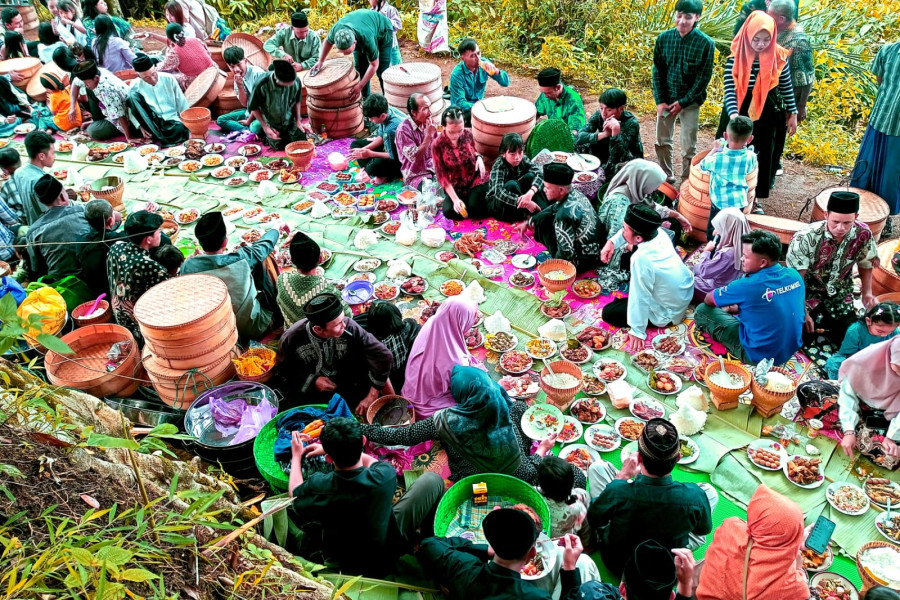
[(568, 107), (372, 29), (305, 51), (275, 102), (295, 290), (885, 116)]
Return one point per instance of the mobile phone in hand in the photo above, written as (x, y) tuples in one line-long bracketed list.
[(820, 535)]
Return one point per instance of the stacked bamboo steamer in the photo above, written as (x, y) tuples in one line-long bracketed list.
[(492, 118), (694, 202), (332, 110), (873, 211), (27, 67), (401, 81), (189, 332), (885, 279)]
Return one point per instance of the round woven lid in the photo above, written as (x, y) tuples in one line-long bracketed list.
[(19, 64), (411, 74), (200, 88), (775, 224), (180, 301), (333, 71), (34, 87), (252, 47), (885, 254), (519, 111), (871, 206)]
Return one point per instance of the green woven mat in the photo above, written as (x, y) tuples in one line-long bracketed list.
[(550, 134)]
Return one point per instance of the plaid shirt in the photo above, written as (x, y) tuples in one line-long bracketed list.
[(728, 172), (9, 195), (502, 172), (885, 115), (568, 107), (8, 220), (682, 67)]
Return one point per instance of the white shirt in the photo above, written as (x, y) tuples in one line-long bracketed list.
[(661, 285), (166, 99)]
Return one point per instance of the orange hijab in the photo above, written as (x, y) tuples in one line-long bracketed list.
[(771, 62), (775, 528)]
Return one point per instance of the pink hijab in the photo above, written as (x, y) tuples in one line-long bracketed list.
[(439, 347)]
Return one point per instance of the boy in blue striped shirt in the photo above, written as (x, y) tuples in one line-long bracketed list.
[(728, 164)]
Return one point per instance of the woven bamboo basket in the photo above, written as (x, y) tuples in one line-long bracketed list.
[(264, 353), (699, 180), (87, 369), (873, 210), (562, 397), (511, 490), (301, 153), (27, 67), (82, 309), (337, 75), (489, 127), (726, 398), (556, 264), (36, 90), (197, 355), (407, 417), (767, 402), (181, 308), (401, 81), (884, 278), (253, 49), (113, 195), (197, 121), (783, 228), (867, 579), (336, 122)]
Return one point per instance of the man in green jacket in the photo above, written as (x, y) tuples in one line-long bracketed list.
[(295, 44)]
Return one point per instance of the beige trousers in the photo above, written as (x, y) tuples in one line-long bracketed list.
[(665, 136)]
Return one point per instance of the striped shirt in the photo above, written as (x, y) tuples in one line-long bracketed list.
[(885, 115), (728, 172), (785, 88)]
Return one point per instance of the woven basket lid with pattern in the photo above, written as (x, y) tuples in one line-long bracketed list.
[(34, 87), (411, 75), (872, 208), (333, 71), (252, 46), (26, 65), (181, 301), (504, 110), (550, 134), (205, 88)]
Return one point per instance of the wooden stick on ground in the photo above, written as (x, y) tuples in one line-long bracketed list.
[(277, 507)]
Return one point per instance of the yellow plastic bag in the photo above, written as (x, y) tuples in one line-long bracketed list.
[(50, 304)]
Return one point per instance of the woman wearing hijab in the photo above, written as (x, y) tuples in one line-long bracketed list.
[(440, 346), (481, 432), (186, 58), (758, 85), (720, 265), (386, 323), (759, 559)]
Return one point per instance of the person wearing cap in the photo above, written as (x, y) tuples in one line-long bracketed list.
[(568, 226), (465, 570), (649, 574), (105, 231), (362, 529), (246, 76), (559, 101), (378, 155), (186, 58), (642, 502), (612, 134), (369, 35), (295, 44), (156, 103), (825, 253), (322, 355), (50, 239), (760, 315), (469, 78), (59, 101), (661, 285), (130, 269), (275, 103), (414, 137), (240, 270), (112, 96), (295, 289)]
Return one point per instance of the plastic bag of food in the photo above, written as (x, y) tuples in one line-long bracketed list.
[(497, 322), (433, 31), (80, 152), (365, 238), (433, 237), (554, 329), (337, 161), (117, 355), (319, 210), (134, 162), (47, 302), (227, 415), (406, 235), (398, 268), (474, 292), (266, 189)]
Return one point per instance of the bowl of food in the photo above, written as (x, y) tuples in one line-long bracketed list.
[(629, 428), (593, 386), (579, 355), (170, 228), (571, 430), (414, 286), (878, 563), (540, 348), (664, 382), (781, 387), (609, 370), (587, 288), (579, 455), (500, 342), (602, 438), (669, 345), (521, 279), (386, 291), (452, 287), (556, 274), (561, 382), (725, 388), (555, 308), (515, 362), (541, 421), (595, 337), (831, 586), (588, 410)]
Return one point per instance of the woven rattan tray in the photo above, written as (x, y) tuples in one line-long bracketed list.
[(184, 300), (411, 75), (205, 88), (252, 46)]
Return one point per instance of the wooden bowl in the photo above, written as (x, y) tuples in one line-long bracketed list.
[(81, 309), (556, 264), (375, 407), (767, 402), (562, 397), (726, 398)]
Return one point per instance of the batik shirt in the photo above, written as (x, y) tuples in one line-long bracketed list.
[(829, 265), (574, 233), (568, 107), (111, 93), (408, 139), (131, 273), (803, 65)]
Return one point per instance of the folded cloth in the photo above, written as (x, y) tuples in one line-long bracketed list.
[(298, 418)]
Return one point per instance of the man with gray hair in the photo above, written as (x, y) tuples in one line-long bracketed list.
[(413, 140), (92, 252)]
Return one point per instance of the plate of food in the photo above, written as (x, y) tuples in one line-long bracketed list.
[(345, 199), (249, 150), (847, 498), (325, 255), (609, 370), (155, 158), (506, 247), (578, 355), (172, 161), (767, 454), (251, 236), (343, 177), (119, 159), (252, 166), (682, 366), (232, 212), (445, 256), (474, 338), (379, 217), (491, 271), (223, 172), (516, 362), (386, 291), (888, 525), (570, 431), (235, 181), (61, 174), (664, 382), (302, 207), (540, 348), (593, 386), (602, 437), (175, 152), (278, 164), (390, 228), (804, 471), (214, 148), (370, 277), (556, 308), (407, 197), (646, 360), (588, 410), (253, 215), (67, 146), (629, 428), (646, 409), (523, 261), (595, 337), (520, 387), (831, 586), (668, 345), (289, 175), (366, 265), (24, 128), (500, 341), (542, 420), (327, 187), (98, 154), (587, 288), (365, 202), (190, 166), (117, 147), (261, 175), (237, 162), (521, 279), (690, 451), (387, 205), (812, 561), (186, 216), (270, 218), (355, 188), (414, 286), (212, 160), (580, 455), (452, 287), (880, 490), (541, 563), (343, 212)]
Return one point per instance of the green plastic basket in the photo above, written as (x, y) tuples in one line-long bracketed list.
[(507, 487), (264, 452), (550, 134)]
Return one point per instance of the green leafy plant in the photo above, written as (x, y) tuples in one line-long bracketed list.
[(13, 328), (152, 442)]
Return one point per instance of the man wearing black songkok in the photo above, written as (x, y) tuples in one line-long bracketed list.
[(296, 288), (649, 575), (275, 103), (296, 44), (559, 101), (466, 570), (642, 502), (156, 102), (326, 353), (50, 239), (568, 227)]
